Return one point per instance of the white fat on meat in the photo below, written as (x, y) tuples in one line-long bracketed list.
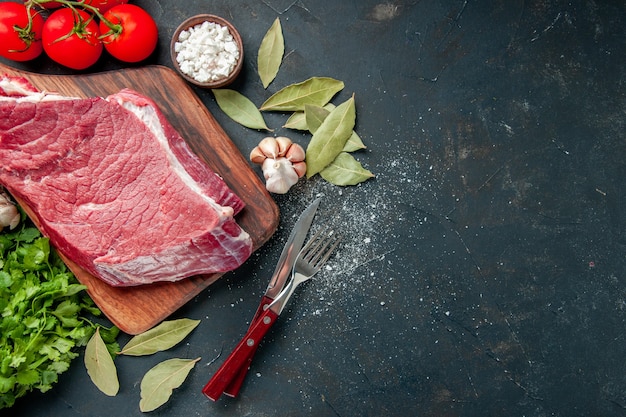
[(148, 117)]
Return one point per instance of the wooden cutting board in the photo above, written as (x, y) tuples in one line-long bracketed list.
[(137, 309)]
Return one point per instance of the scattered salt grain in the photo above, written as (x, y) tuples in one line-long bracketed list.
[(206, 52)]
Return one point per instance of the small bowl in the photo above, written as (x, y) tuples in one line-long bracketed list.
[(199, 19)]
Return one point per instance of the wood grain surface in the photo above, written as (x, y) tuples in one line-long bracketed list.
[(136, 309)]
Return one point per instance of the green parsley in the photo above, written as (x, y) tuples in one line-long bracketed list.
[(42, 309)]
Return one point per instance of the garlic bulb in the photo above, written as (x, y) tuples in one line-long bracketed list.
[(282, 162), (9, 216)]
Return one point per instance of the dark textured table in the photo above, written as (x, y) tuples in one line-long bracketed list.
[(483, 268)]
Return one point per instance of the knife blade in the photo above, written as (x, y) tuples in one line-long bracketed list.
[(290, 250)]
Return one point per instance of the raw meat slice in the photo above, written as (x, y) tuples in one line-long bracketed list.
[(116, 188)]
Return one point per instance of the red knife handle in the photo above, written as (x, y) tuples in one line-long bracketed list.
[(232, 390), (239, 356)]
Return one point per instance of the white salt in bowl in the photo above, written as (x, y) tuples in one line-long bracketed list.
[(216, 58)]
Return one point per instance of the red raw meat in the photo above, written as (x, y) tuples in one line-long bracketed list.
[(116, 188)]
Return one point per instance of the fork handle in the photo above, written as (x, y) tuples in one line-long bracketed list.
[(238, 358)]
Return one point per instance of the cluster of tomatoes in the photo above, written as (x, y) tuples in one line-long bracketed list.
[(74, 33)]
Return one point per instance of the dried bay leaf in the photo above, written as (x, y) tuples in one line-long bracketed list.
[(159, 382), (100, 366), (270, 53), (315, 115), (297, 120), (345, 170), (239, 108), (315, 90), (159, 338), (354, 143), (331, 137)]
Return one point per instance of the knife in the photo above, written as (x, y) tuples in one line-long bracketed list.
[(229, 380), (281, 273)]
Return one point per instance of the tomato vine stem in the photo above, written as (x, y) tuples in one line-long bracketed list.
[(79, 27), (26, 33)]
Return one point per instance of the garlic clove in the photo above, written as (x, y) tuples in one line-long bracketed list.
[(284, 144), (269, 147), (295, 153), (257, 156), (300, 168)]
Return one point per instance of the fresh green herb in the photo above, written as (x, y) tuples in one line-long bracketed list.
[(42, 323), (42, 309), (270, 53)]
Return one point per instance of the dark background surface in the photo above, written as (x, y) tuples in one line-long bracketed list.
[(482, 272)]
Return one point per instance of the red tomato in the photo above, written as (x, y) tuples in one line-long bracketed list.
[(50, 5), (71, 38), (133, 35), (104, 5), (19, 41)]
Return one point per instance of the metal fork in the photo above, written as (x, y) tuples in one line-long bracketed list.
[(309, 261)]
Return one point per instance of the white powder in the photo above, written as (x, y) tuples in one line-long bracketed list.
[(206, 52), (363, 248), (375, 221)]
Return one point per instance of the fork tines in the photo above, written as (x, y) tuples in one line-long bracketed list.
[(321, 245)]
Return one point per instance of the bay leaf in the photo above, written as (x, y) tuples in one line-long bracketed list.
[(159, 338), (100, 366), (297, 120), (315, 90), (315, 115), (331, 137), (239, 108), (345, 170), (159, 382), (354, 143), (270, 53)]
